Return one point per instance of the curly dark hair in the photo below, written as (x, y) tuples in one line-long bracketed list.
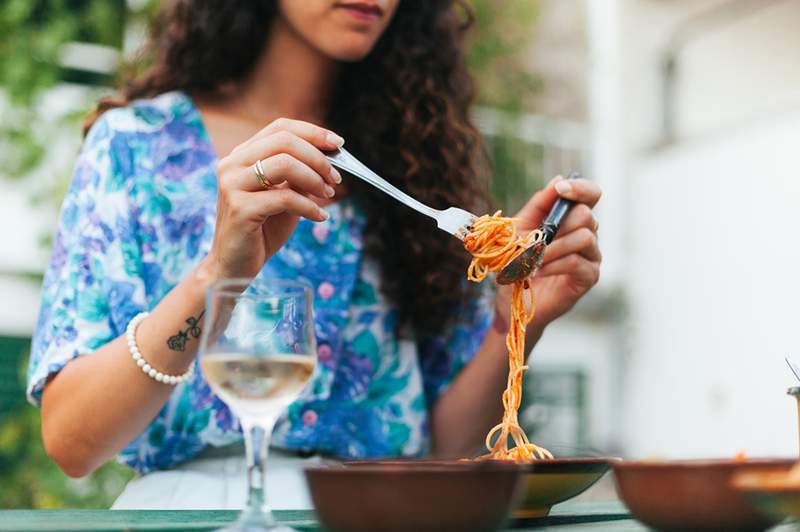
[(403, 110)]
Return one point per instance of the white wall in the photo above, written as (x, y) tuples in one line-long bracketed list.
[(732, 73), (714, 293), (711, 252), (742, 70)]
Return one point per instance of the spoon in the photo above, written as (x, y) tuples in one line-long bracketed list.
[(529, 260)]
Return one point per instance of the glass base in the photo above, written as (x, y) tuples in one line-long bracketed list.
[(251, 521)]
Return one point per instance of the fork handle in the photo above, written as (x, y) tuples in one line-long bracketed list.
[(344, 160), (557, 213)]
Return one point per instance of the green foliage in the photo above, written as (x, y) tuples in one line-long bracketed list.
[(30, 478), (517, 169), (35, 31), (34, 34), (498, 58), (501, 40)]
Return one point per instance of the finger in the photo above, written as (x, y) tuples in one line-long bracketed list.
[(322, 138), (581, 241), (297, 147), (279, 171), (582, 270), (580, 215), (579, 190), (283, 168), (262, 205), (534, 211)]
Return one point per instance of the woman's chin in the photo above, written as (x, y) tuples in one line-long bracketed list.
[(349, 50)]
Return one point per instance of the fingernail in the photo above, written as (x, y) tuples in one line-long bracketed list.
[(335, 139), (329, 191), (324, 214), (564, 187), (335, 175)]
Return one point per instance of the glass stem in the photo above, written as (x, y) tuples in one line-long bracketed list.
[(256, 442)]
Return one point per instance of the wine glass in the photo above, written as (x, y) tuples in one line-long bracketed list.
[(257, 352)]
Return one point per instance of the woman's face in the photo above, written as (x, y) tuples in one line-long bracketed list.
[(345, 30)]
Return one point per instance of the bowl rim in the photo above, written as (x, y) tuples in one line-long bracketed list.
[(405, 467), (700, 463), (399, 466), (588, 464)]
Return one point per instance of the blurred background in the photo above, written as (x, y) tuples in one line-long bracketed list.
[(686, 111)]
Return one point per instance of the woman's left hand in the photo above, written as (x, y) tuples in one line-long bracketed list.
[(571, 264)]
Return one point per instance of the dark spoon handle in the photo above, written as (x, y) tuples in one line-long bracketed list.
[(557, 213)]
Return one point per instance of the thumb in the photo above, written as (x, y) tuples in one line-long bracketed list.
[(534, 212)]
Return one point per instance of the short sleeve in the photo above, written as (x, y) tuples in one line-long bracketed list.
[(92, 286), (443, 357)]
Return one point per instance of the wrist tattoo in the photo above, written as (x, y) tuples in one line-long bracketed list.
[(178, 341)]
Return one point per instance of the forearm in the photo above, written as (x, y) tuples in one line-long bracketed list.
[(472, 405), (101, 401)]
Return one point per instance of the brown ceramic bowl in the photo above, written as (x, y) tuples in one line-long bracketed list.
[(692, 494), (770, 492), (413, 495)]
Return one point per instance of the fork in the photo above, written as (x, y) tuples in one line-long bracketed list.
[(453, 220), (794, 367)]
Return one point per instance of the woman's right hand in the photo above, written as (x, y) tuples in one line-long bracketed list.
[(253, 223)]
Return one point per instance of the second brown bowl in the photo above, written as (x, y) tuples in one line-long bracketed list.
[(692, 494)]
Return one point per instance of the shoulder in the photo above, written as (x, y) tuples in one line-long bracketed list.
[(141, 137), (144, 118)]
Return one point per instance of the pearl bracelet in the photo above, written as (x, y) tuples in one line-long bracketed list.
[(150, 371)]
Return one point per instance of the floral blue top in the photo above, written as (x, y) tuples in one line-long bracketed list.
[(139, 215)]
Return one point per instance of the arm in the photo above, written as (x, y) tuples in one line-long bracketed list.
[(472, 404), (121, 398), (99, 402)]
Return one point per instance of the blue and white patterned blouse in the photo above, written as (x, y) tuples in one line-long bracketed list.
[(139, 215)]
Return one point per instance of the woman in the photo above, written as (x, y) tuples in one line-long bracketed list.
[(165, 201)]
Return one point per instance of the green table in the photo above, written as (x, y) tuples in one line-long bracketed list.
[(579, 516)]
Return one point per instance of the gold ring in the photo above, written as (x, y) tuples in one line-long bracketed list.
[(262, 179)]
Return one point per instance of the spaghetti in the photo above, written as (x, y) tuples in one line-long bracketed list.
[(494, 242)]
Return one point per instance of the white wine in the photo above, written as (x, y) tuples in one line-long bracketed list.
[(257, 386)]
